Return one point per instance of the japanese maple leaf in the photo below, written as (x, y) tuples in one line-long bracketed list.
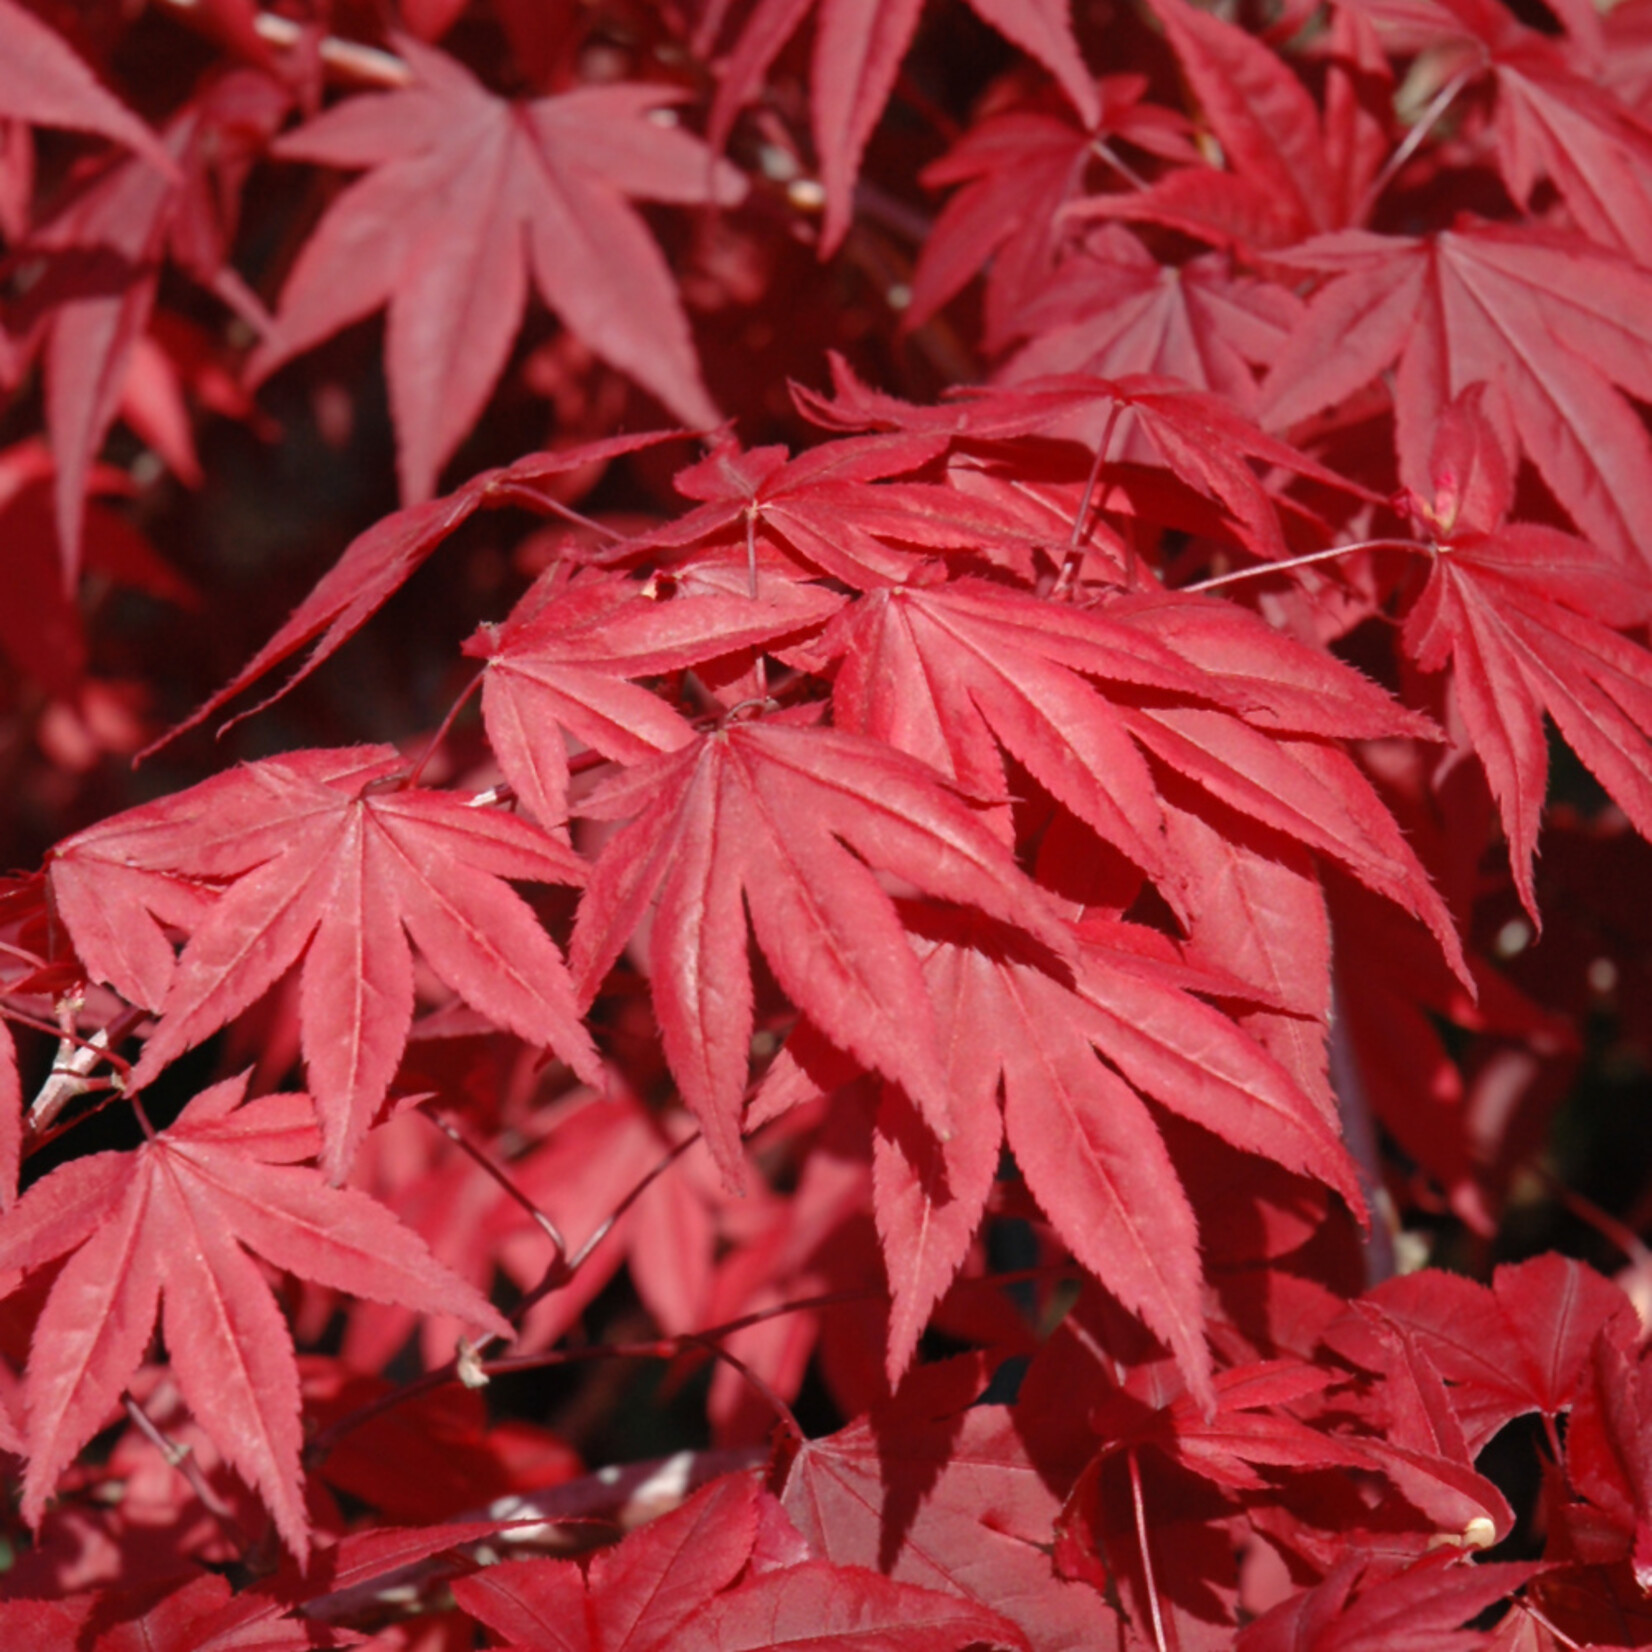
[(1609, 1440), (1251, 1425), (761, 817), (1553, 320), (1192, 686), (171, 1225), (833, 508), (467, 192), (44, 83), (1016, 170), (564, 660), (1197, 435), (1521, 1345), (1514, 609), (1553, 117), (204, 1615), (1417, 1608), (1079, 1127), (106, 250), (669, 1585), (935, 1490), (949, 672), (1288, 174), (377, 563), (859, 45), (324, 857), (1112, 309)]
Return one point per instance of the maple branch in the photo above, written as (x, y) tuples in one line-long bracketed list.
[(603, 1229), (349, 59), (1103, 151), (1149, 1583), (505, 1184), (1408, 146), (435, 741), (763, 1389), (182, 1458), (1069, 564), (1304, 561), (76, 1057)]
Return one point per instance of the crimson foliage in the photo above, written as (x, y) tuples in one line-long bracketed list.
[(1022, 928)]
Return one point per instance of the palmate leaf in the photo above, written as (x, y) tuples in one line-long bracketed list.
[(859, 45), (323, 856), (1558, 323), (467, 192), (1079, 1126), (564, 659), (761, 817), (1515, 610), (171, 1224), (44, 83), (377, 563), (936, 1490), (1552, 118), (673, 1585), (1016, 170), (833, 509), (1099, 702), (104, 255)]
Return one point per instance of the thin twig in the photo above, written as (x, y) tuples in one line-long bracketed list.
[(348, 59), (1408, 146), (183, 1459), (1263, 568), (1148, 1580)]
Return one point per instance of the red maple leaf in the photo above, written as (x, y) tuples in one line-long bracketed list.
[(327, 857), (833, 508), (858, 50), (1515, 610), (377, 563), (563, 660), (762, 817), (1112, 309), (1417, 1608), (935, 1490), (44, 83), (1080, 1130), (544, 185), (1551, 319), (1017, 169), (1551, 119), (678, 1583), (167, 1225), (1522, 1345), (106, 249)]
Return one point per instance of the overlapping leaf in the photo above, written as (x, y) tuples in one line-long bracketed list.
[(1553, 320), (858, 50), (834, 509), (763, 816), (105, 253), (946, 672), (1516, 610), (324, 856), (564, 662), (672, 1584), (171, 1225), (377, 563), (467, 192), (1016, 170), (43, 82)]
